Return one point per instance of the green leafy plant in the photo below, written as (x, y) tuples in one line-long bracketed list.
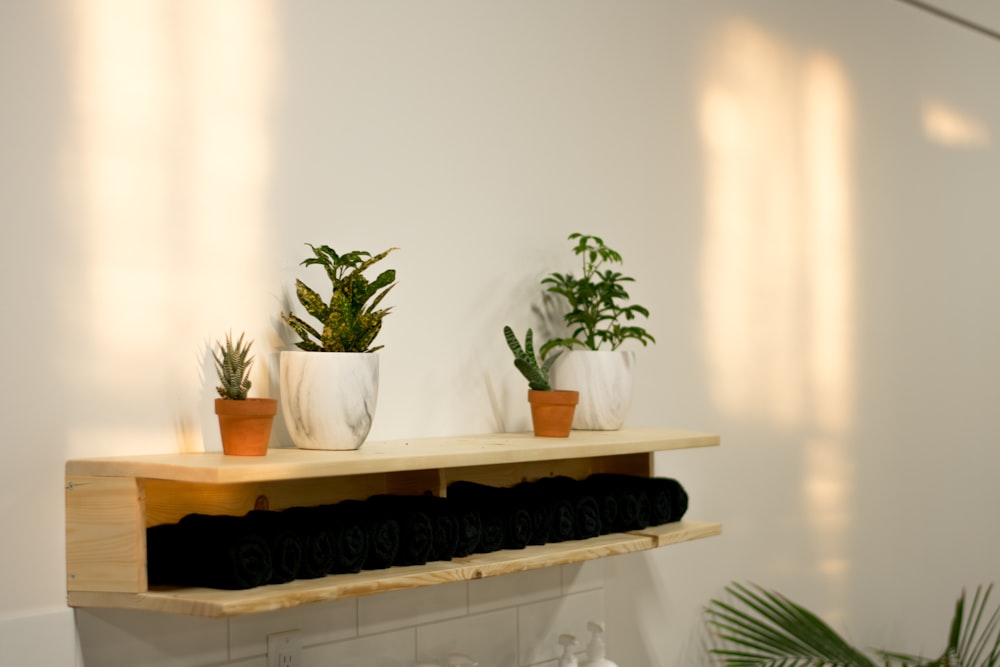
[(761, 628), (351, 319), (597, 312), (232, 365), (536, 373)]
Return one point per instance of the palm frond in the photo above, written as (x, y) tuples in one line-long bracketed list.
[(763, 628)]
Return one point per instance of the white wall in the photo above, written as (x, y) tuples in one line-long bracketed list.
[(806, 193)]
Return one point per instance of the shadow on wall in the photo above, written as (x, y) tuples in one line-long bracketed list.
[(778, 259)]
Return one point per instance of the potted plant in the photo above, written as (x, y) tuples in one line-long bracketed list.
[(599, 320), (551, 409), (753, 626), (329, 387), (245, 423)]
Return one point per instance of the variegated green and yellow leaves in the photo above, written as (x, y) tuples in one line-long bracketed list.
[(351, 319)]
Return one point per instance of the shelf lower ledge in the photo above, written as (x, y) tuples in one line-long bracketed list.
[(214, 603)]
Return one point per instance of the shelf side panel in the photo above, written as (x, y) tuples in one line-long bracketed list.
[(105, 534)]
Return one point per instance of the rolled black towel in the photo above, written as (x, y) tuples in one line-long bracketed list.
[(383, 535), (607, 505), (210, 551), (551, 492), (538, 508), (444, 525), (470, 528), (505, 524), (348, 536), (518, 524), (586, 514), (668, 501), (631, 496), (310, 526), (416, 533), (167, 556), (283, 543)]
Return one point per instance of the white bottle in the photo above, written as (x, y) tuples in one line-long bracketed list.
[(567, 659), (596, 649)]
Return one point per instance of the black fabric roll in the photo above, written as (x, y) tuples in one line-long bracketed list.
[(470, 528), (586, 514), (282, 542), (538, 508), (167, 556), (210, 551), (383, 536), (309, 525), (416, 533), (668, 501), (444, 526), (631, 496), (506, 523), (517, 528), (607, 504), (348, 536)]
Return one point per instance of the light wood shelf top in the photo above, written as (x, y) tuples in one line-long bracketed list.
[(218, 603), (390, 456)]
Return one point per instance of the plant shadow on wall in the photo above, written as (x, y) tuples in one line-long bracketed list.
[(755, 627)]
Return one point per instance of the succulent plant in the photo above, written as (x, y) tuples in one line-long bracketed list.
[(232, 365), (350, 320), (526, 362)]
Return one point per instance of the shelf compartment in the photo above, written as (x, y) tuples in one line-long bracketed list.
[(217, 603)]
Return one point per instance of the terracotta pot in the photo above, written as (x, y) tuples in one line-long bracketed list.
[(552, 412), (246, 425)]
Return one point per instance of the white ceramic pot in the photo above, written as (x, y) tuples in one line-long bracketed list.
[(328, 398), (604, 380)]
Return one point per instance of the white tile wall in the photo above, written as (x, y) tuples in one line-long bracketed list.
[(124, 638), (514, 589), (490, 639), (406, 609), (585, 576), (392, 649), (319, 624), (509, 621), (540, 624)]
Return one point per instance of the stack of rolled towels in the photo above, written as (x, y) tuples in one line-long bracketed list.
[(274, 547)]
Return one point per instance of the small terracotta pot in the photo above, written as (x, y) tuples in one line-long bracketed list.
[(246, 425), (552, 412)]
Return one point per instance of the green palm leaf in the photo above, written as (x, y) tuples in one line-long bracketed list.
[(765, 629)]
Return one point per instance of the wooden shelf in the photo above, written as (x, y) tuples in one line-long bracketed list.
[(111, 501)]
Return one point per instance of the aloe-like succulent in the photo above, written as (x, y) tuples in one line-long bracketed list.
[(351, 319), (232, 365), (525, 360)]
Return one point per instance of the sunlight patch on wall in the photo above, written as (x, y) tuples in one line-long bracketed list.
[(949, 127), (170, 163), (777, 264)]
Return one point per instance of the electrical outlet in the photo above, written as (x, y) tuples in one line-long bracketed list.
[(284, 649)]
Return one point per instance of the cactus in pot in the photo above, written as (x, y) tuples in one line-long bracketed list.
[(245, 423), (551, 409)]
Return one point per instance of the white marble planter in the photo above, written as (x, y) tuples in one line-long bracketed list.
[(604, 380), (328, 398)]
